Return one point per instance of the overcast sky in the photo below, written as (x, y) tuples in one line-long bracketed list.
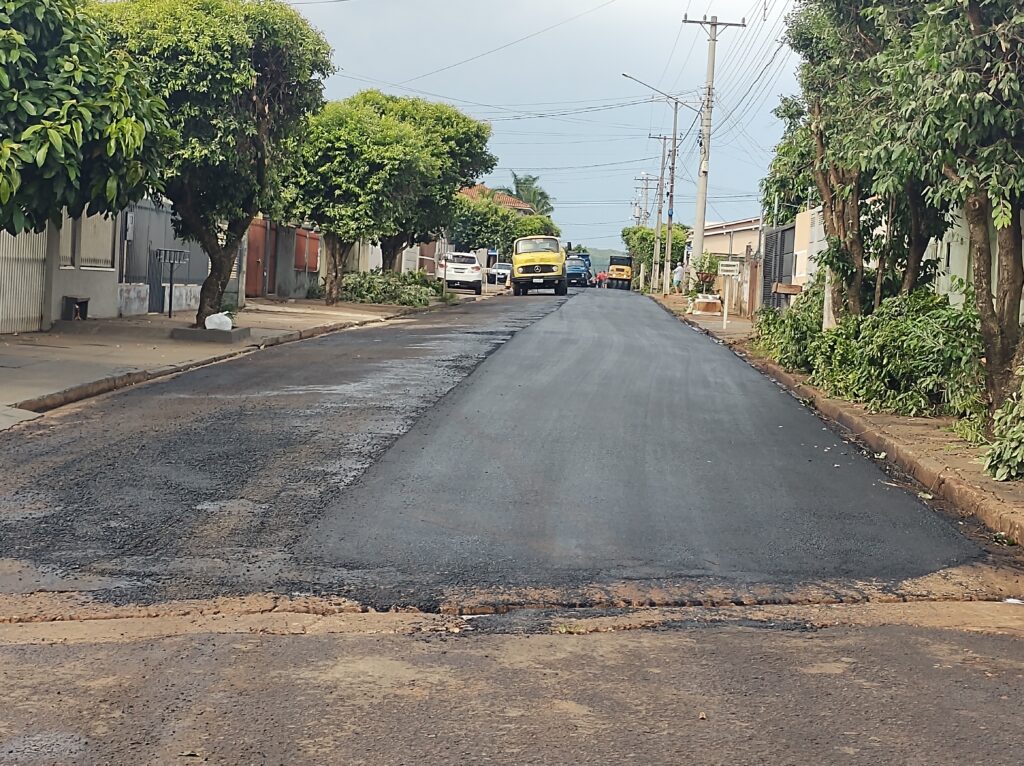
[(557, 101)]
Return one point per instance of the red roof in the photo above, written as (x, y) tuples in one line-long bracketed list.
[(505, 200)]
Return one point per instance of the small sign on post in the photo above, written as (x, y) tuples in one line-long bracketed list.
[(728, 270)]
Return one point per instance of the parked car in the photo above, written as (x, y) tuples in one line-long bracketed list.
[(578, 272), (499, 274), (461, 271)]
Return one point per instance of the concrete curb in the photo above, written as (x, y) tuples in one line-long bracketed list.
[(939, 479), (110, 383)]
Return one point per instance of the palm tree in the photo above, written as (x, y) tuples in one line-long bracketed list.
[(527, 188)]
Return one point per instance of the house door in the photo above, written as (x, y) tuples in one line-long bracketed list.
[(22, 274)]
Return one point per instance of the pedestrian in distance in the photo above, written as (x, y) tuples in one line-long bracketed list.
[(677, 278)]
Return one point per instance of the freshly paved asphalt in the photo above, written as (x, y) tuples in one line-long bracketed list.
[(609, 442), (600, 442)]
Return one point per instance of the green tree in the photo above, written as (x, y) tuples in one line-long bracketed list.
[(79, 126), (527, 188), (956, 75), (457, 143), (640, 240), (239, 77), (785, 190), (536, 226), (482, 223), (358, 174)]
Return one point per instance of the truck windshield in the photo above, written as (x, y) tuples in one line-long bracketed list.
[(537, 246), (618, 260)]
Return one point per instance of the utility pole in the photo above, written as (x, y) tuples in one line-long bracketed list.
[(644, 217), (671, 193), (700, 219), (676, 103), (656, 262)]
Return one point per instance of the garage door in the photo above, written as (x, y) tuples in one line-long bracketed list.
[(22, 265)]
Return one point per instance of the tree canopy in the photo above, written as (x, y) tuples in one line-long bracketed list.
[(80, 128), (457, 144), (239, 77), (535, 226), (910, 110), (359, 175), (482, 224), (527, 188)]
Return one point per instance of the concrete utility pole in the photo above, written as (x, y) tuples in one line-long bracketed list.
[(644, 218), (700, 219), (676, 103), (644, 190), (656, 262)]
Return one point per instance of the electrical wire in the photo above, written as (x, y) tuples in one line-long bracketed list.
[(510, 44)]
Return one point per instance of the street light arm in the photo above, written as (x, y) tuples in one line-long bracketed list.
[(663, 93)]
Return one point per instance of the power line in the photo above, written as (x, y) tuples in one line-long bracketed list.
[(582, 167), (573, 120), (510, 44)]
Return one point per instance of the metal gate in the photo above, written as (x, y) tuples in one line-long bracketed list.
[(155, 279), (22, 274), (778, 265)]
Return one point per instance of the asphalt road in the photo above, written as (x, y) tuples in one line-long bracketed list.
[(529, 455), (600, 444)]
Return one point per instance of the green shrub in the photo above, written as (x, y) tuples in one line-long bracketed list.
[(787, 336), (315, 290), (916, 355), (409, 289), (1005, 458)]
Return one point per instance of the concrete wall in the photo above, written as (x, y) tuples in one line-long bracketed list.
[(810, 242), (89, 241), (186, 297), (293, 282), (732, 238), (133, 299)]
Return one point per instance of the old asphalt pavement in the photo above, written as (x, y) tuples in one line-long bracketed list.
[(178, 562)]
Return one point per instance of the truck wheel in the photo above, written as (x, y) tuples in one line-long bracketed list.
[(562, 288)]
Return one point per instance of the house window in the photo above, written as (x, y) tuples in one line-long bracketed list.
[(93, 245), (949, 254)]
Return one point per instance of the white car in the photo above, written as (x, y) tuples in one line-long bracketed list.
[(461, 270), (500, 274)]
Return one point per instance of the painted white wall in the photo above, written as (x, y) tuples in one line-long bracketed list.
[(96, 237), (953, 254)]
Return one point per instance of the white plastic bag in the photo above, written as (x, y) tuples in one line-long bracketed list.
[(218, 322)]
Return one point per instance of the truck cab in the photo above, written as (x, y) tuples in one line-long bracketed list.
[(538, 263), (620, 272)]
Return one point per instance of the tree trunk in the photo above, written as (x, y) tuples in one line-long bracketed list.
[(337, 253), (978, 211), (917, 244), (879, 279), (211, 295), (840, 201), (1010, 283), (391, 248)]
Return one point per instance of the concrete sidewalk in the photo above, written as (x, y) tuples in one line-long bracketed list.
[(925, 448), (76, 360)]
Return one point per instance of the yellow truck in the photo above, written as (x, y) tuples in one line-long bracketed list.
[(538, 263), (620, 272)]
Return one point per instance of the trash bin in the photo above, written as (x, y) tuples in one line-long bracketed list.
[(74, 307)]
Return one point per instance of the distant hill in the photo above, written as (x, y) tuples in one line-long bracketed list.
[(599, 257)]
